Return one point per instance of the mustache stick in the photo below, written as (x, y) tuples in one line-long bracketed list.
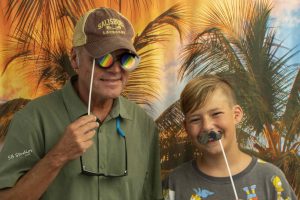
[(214, 136), (91, 87)]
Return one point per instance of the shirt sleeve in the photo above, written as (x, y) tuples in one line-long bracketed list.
[(22, 149), (153, 186), (281, 187)]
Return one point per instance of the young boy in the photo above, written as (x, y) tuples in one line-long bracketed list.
[(209, 104)]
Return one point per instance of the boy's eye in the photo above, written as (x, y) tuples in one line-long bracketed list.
[(194, 120), (217, 114)]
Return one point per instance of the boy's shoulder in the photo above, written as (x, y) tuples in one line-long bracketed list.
[(267, 167), (182, 169)]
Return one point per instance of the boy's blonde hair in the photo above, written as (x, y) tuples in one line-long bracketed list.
[(199, 89)]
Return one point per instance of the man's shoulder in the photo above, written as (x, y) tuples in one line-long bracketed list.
[(134, 109), (42, 103), (129, 103)]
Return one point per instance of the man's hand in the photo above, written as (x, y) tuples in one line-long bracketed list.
[(76, 140)]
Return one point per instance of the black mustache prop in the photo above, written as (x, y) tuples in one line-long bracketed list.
[(204, 138)]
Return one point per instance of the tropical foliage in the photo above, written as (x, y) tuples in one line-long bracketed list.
[(232, 38)]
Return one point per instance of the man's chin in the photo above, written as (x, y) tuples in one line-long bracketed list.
[(113, 95)]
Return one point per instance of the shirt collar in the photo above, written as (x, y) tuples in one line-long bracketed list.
[(76, 108), (119, 109)]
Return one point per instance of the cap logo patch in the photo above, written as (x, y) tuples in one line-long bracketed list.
[(111, 26)]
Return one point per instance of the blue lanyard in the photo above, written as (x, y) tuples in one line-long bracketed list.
[(119, 130)]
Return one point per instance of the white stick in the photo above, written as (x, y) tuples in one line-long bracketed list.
[(91, 87), (227, 165)]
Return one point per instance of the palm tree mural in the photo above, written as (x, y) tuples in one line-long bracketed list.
[(238, 44), (232, 38)]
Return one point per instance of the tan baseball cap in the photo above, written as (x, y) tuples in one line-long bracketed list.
[(103, 30)]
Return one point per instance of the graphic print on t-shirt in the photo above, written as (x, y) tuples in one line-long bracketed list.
[(250, 191), (201, 194), (278, 187)]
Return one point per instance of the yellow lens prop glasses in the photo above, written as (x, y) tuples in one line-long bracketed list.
[(128, 61)]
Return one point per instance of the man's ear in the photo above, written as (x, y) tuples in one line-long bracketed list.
[(74, 59), (238, 113)]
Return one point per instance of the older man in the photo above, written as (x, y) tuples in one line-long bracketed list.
[(85, 141)]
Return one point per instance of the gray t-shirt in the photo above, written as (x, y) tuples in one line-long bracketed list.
[(259, 181)]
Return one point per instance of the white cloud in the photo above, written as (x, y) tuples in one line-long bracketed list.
[(284, 12)]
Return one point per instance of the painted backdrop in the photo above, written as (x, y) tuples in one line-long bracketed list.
[(252, 43)]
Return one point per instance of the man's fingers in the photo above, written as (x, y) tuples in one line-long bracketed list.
[(87, 136), (82, 121), (82, 130)]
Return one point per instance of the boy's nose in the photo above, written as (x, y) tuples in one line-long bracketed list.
[(207, 125)]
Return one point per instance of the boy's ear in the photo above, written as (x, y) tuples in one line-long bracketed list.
[(238, 113)]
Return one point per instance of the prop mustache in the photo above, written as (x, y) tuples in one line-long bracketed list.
[(206, 137)]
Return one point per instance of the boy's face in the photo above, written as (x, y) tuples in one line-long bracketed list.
[(217, 114)]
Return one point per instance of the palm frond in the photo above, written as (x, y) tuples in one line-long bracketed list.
[(210, 51), (50, 17), (135, 7), (144, 83), (52, 66), (291, 115), (158, 30), (176, 148)]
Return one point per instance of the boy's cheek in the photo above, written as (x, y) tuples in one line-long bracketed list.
[(192, 130)]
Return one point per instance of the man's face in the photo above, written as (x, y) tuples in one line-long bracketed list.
[(108, 83), (216, 114)]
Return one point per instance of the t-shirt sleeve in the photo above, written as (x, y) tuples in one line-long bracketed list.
[(22, 149), (278, 184), (282, 188)]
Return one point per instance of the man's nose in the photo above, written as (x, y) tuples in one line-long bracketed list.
[(116, 67)]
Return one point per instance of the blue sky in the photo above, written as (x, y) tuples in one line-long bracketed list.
[(286, 17)]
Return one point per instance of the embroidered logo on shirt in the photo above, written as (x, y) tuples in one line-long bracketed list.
[(201, 194), (251, 194), (25, 153)]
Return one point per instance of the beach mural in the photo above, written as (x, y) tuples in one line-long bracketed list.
[(254, 44)]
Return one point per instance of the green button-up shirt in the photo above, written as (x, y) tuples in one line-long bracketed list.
[(38, 126)]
